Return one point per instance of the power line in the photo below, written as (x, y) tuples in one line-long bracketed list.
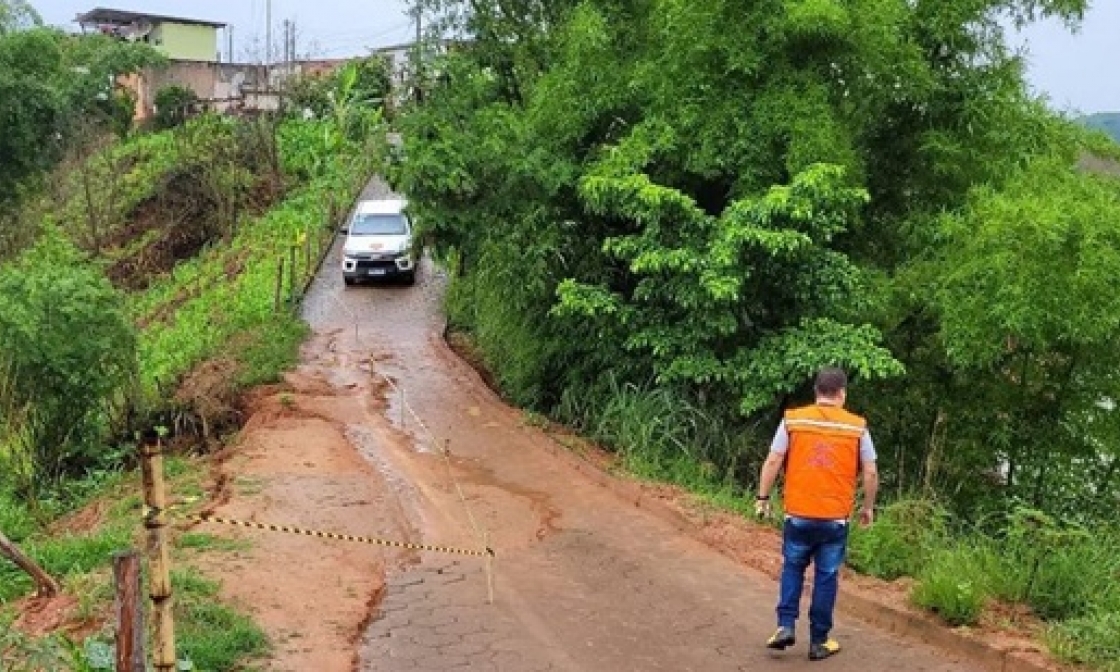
[(362, 35)]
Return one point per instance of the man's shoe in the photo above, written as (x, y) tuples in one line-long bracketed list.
[(782, 638), (822, 650)]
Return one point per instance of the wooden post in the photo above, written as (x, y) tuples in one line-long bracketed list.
[(292, 250), (45, 585), (130, 612), (308, 233), (159, 569), (279, 285)]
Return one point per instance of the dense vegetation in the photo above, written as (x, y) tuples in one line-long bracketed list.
[(147, 277), (663, 216), (56, 93)]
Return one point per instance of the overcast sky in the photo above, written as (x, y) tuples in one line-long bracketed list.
[(326, 28), (1078, 72)]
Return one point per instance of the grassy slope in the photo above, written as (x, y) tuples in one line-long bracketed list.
[(216, 306)]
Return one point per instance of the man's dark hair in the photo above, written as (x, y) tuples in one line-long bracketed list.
[(830, 381)]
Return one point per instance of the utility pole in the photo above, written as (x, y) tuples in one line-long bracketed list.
[(417, 58), (292, 51), (268, 33), (229, 36), (287, 45)]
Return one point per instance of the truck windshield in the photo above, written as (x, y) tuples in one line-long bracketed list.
[(378, 225)]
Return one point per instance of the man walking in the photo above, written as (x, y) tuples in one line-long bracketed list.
[(823, 449)]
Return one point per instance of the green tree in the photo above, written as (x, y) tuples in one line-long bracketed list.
[(364, 82), (720, 197), (17, 15), (1028, 313), (51, 85)]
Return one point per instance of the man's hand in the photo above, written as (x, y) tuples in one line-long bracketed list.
[(866, 517), (762, 508)]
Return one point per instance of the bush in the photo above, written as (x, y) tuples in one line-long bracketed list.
[(67, 358), (902, 541), (174, 105), (951, 586)]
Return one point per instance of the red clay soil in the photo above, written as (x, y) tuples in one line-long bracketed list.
[(1009, 628), (294, 464), (39, 616)]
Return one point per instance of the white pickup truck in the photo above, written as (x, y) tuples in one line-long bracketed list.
[(379, 243)]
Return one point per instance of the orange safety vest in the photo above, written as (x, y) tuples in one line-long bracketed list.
[(822, 462)]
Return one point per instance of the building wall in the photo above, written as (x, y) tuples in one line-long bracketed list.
[(198, 76), (185, 42), (219, 86)]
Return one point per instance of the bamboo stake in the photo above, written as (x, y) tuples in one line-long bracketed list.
[(159, 574), (46, 585), (130, 612), (279, 286), (307, 235), (293, 251), (489, 570)]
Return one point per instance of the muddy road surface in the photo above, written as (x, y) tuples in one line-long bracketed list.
[(583, 579)]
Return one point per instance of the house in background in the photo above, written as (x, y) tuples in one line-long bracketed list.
[(177, 38), (193, 61)]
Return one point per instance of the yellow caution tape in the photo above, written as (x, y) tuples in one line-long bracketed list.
[(341, 537)]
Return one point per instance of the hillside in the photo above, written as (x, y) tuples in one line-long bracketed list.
[(1109, 122)]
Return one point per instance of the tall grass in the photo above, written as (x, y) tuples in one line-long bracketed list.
[(1067, 575), (660, 435), (1092, 640)]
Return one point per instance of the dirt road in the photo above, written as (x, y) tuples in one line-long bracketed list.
[(584, 580)]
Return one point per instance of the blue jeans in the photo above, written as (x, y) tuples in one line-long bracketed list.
[(824, 543)]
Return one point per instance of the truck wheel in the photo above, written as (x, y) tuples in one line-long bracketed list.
[(349, 281)]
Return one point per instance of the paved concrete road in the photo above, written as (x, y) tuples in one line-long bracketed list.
[(584, 580)]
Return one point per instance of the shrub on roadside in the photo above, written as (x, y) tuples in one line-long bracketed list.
[(951, 585), (905, 536)]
